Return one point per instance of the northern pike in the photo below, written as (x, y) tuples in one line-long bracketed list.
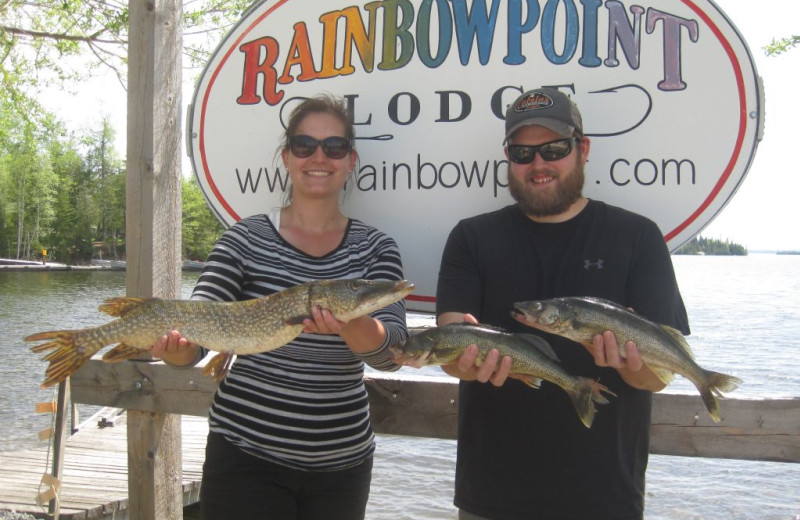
[(230, 328), (533, 360), (663, 349)]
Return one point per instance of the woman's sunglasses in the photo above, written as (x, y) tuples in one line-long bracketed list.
[(333, 147), (552, 151)]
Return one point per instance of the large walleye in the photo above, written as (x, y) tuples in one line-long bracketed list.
[(663, 349), (533, 360), (242, 327)]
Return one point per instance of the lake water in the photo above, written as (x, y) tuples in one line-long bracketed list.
[(744, 313)]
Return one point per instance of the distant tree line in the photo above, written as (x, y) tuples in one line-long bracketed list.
[(65, 193), (710, 246)]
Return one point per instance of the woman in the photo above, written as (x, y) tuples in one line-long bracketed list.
[(289, 430)]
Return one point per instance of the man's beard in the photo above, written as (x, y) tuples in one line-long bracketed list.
[(568, 190)]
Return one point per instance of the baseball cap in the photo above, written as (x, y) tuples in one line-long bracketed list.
[(545, 107)]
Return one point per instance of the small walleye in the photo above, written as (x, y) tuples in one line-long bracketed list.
[(663, 349), (230, 328), (533, 360)]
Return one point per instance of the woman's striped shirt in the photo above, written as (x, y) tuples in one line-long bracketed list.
[(303, 405)]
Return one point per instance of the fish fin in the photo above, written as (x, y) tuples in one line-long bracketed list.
[(123, 305), (540, 344), (219, 365), (715, 385), (58, 335), (122, 352), (663, 375), (479, 325), (605, 303), (589, 392), (676, 335), (533, 382), (297, 320), (67, 355)]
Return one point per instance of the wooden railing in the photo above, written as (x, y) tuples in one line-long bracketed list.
[(766, 430)]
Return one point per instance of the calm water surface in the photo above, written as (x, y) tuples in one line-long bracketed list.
[(744, 313)]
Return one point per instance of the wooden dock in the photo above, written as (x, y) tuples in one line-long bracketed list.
[(95, 480)]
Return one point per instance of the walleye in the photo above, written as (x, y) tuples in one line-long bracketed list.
[(241, 327), (663, 349), (533, 360)]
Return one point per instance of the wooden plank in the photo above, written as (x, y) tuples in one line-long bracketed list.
[(766, 430), (154, 459), (423, 408), (153, 212), (153, 231), (95, 476), (59, 440), (144, 386)]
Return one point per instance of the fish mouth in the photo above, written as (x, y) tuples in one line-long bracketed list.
[(402, 357), (409, 362), (404, 286), (520, 314)]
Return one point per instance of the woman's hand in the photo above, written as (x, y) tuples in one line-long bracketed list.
[(322, 321), (175, 349)]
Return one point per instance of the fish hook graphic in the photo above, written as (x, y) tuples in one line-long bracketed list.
[(615, 90)]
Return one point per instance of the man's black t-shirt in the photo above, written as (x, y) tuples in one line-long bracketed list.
[(523, 454)]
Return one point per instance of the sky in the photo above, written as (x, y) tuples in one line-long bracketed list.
[(762, 215)]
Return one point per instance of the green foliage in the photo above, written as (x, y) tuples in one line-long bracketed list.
[(200, 228), (66, 193), (710, 246), (42, 37), (106, 188), (71, 240), (781, 45), (27, 180)]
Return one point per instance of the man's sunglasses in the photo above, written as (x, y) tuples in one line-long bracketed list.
[(552, 151), (334, 147)]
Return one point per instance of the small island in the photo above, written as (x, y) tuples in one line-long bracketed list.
[(711, 246)]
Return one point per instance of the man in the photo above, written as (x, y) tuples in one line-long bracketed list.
[(522, 453)]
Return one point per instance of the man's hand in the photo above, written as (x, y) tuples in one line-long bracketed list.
[(494, 369), (627, 361)]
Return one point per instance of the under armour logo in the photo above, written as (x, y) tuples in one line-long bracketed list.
[(589, 264)]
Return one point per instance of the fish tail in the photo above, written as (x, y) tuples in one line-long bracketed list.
[(717, 383), (723, 382), (59, 335), (585, 395), (67, 356)]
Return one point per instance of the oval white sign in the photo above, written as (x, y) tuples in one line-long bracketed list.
[(668, 91)]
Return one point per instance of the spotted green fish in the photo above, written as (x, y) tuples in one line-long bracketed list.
[(230, 328)]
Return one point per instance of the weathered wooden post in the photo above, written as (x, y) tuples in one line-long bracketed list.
[(153, 232)]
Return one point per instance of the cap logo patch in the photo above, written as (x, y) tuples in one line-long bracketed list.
[(533, 101)]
